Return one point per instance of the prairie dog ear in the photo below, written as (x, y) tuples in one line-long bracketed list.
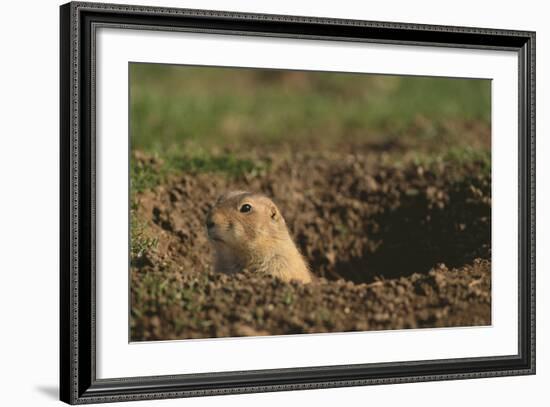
[(274, 213), (229, 194)]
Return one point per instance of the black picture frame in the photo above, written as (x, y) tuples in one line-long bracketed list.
[(78, 382)]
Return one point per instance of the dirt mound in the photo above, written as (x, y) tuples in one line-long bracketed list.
[(202, 305), (371, 232)]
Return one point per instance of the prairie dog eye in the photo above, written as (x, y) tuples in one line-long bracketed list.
[(245, 208)]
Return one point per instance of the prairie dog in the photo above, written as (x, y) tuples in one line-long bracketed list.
[(247, 231)]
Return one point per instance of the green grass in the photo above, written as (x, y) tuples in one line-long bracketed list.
[(227, 164), (146, 175), (176, 106), (141, 243)]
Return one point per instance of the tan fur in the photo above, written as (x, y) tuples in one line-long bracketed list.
[(257, 240)]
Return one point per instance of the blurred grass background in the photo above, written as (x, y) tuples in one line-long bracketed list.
[(185, 109)]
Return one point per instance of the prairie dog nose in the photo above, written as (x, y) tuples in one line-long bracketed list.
[(210, 222)]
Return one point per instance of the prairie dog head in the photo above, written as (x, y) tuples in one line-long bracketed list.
[(248, 231), (245, 221)]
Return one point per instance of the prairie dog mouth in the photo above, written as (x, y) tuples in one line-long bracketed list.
[(212, 236)]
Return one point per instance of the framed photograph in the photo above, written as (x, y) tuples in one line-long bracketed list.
[(255, 203)]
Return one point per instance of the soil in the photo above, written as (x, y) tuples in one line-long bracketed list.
[(392, 246)]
